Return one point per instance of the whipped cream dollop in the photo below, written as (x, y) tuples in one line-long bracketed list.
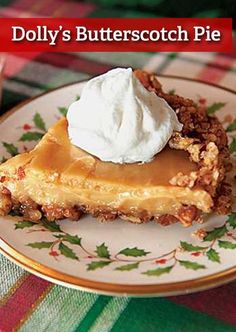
[(116, 119)]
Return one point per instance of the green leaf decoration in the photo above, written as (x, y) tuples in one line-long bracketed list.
[(63, 110), (73, 239), (97, 265), (39, 122), (232, 220), (191, 265), (216, 233), (231, 127), (214, 107), (40, 245), (190, 247), (159, 271), (31, 136), (226, 244), (52, 226), (171, 55), (24, 224), (134, 252), (11, 148), (128, 267), (77, 98), (67, 252), (171, 92), (213, 255), (103, 251), (232, 146)]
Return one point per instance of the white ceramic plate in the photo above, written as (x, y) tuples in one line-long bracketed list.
[(119, 257)]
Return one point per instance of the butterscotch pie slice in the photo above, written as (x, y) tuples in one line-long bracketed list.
[(185, 180)]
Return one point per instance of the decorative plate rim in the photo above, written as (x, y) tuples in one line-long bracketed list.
[(167, 289)]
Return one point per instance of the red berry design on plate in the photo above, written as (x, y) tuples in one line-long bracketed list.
[(53, 253), (202, 101), (26, 126), (161, 261), (196, 254)]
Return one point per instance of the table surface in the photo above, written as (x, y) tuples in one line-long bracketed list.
[(29, 303)]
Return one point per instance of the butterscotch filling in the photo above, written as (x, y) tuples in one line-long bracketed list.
[(73, 177), (77, 165)]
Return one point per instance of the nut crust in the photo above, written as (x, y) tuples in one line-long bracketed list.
[(205, 139)]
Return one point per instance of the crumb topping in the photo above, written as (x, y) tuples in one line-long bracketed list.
[(183, 180), (204, 138)]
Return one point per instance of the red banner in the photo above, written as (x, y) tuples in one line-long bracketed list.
[(116, 34)]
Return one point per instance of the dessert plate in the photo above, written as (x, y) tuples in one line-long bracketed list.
[(120, 258)]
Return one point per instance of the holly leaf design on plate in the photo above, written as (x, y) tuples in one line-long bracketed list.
[(231, 127), (232, 146), (128, 267), (97, 265), (134, 252), (11, 148), (52, 226), (232, 220), (103, 251), (31, 136), (226, 244), (190, 247), (67, 252), (159, 271), (214, 107), (213, 255), (72, 239), (191, 265), (24, 224), (63, 110), (216, 233), (39, 122), (40, 245)]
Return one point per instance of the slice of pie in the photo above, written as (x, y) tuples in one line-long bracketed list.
[(186, 179)]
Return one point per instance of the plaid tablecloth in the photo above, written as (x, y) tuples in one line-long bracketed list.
[(29, 303)]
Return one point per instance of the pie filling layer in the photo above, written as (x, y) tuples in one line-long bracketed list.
[(57, 173)]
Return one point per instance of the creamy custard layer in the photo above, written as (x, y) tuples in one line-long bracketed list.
[(158, 200), (57, 172)]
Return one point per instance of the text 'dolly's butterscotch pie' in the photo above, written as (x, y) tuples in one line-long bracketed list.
[(126, 149)]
